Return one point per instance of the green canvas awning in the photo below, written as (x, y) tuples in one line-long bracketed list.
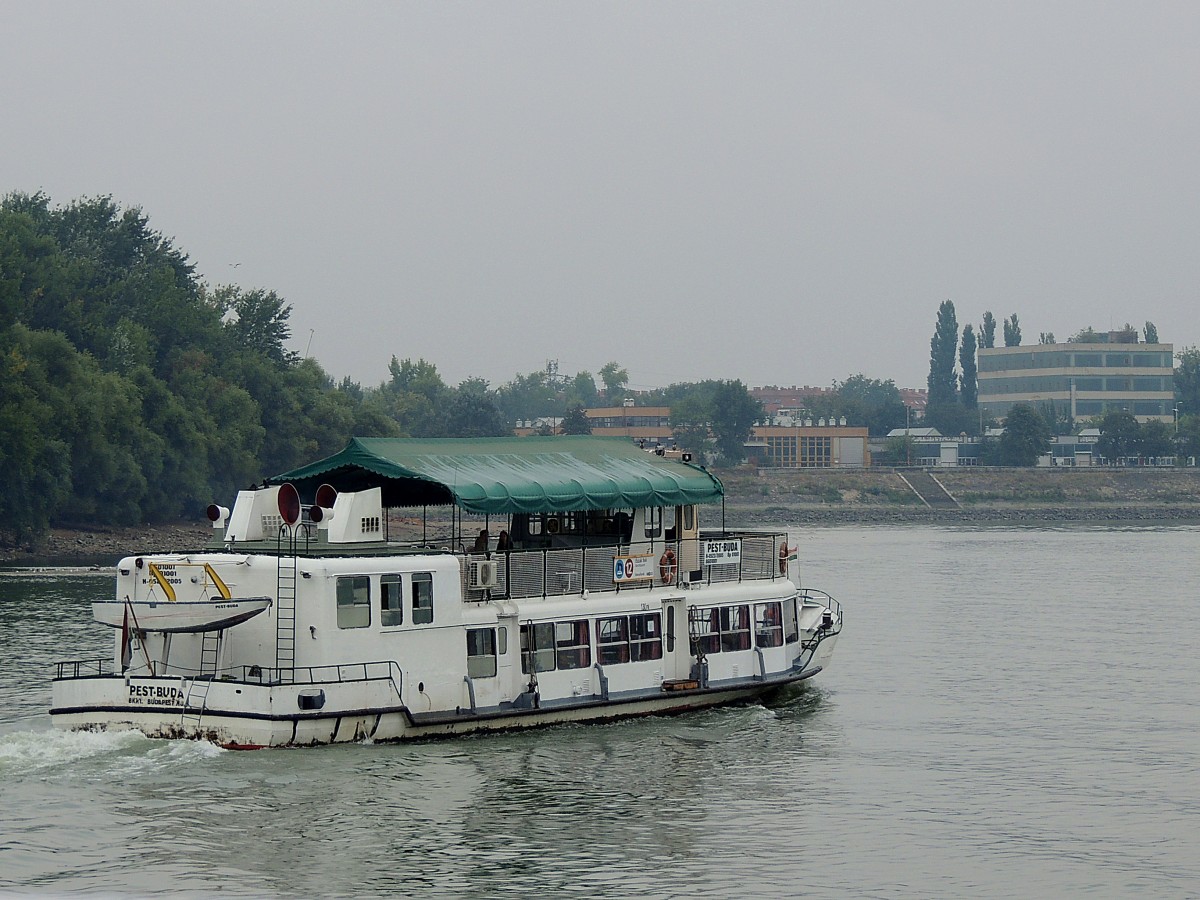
[(509, 475)]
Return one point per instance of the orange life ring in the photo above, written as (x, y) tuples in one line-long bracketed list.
[(667, 567), (783, 558)]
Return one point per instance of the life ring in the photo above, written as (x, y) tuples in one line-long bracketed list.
[(783, 558), (667, 567)]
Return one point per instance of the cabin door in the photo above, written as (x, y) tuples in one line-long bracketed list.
[(508, 646), (677, 654)]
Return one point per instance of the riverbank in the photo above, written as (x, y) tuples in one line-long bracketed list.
[(756, 497), (980, 496)]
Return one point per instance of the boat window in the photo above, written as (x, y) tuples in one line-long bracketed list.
[(722, 628), (791, 628), (422, 598), (481, 652), (391, 600), (612, 640), (768, 625), (645, 637), (689, 518), (573, 645), (537, 647), (735, 628), (653, 521), (353, 601)]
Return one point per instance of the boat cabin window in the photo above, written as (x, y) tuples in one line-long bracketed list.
[(481, 652), (768, 625), (391, 600), (422, 598), (791, 628), (654, 521), (537, 647), (723, 628), (546, 646), (612, 640), (621, 639), (353, 601), (572, 642), (645, 637)]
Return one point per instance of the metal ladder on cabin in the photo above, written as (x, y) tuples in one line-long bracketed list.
[(196, 700), (285, 618), (210, 652)]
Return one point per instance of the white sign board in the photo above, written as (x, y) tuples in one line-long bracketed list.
[(723, 552), (633, 568)]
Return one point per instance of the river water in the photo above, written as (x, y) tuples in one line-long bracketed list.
[(1010, 713)]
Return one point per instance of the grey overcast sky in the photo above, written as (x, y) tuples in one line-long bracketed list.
[(777, 192)]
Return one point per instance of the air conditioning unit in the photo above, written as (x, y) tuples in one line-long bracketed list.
[(483, 574)]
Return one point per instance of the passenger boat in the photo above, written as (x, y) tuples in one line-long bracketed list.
[(418, 588)]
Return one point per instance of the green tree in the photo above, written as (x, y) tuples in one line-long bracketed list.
[(415, 397), (1189, 436), (941, 357), (987, 332), (1187, 381), (581, 391), (733, 414), (1026, 436), (689, 423), (1120, 436), (471, 412), (1088, 336), (576, 421), (257, 320), (968, 385), (1151, 333), (615, 380), (865, 401), (1012, 331), (528, 397), (1157, 439), (1046, 337)]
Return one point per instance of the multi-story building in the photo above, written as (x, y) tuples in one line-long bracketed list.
[(1080, 380)]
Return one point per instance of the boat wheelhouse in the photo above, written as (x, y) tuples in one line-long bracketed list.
[(408, 588)]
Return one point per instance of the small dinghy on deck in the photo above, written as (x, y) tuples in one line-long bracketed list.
[(179, 617)]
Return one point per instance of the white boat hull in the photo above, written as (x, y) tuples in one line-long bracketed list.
[(230, 713)]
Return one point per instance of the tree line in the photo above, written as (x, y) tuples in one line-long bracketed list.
[(132, 391)]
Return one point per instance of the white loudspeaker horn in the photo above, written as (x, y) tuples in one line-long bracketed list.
[(320, 514)]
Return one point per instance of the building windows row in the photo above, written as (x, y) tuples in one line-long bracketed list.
[(1030, 384), (354, 599), (1067, 359), (1084, 409)]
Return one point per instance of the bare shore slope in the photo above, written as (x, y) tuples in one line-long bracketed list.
[(794, 497)]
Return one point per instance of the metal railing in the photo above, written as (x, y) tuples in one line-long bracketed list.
[(334, 673), (83, 668)]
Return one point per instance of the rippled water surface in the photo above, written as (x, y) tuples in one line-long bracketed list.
[(1009, 714)]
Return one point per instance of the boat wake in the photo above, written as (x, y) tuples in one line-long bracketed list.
[(33, 752)]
